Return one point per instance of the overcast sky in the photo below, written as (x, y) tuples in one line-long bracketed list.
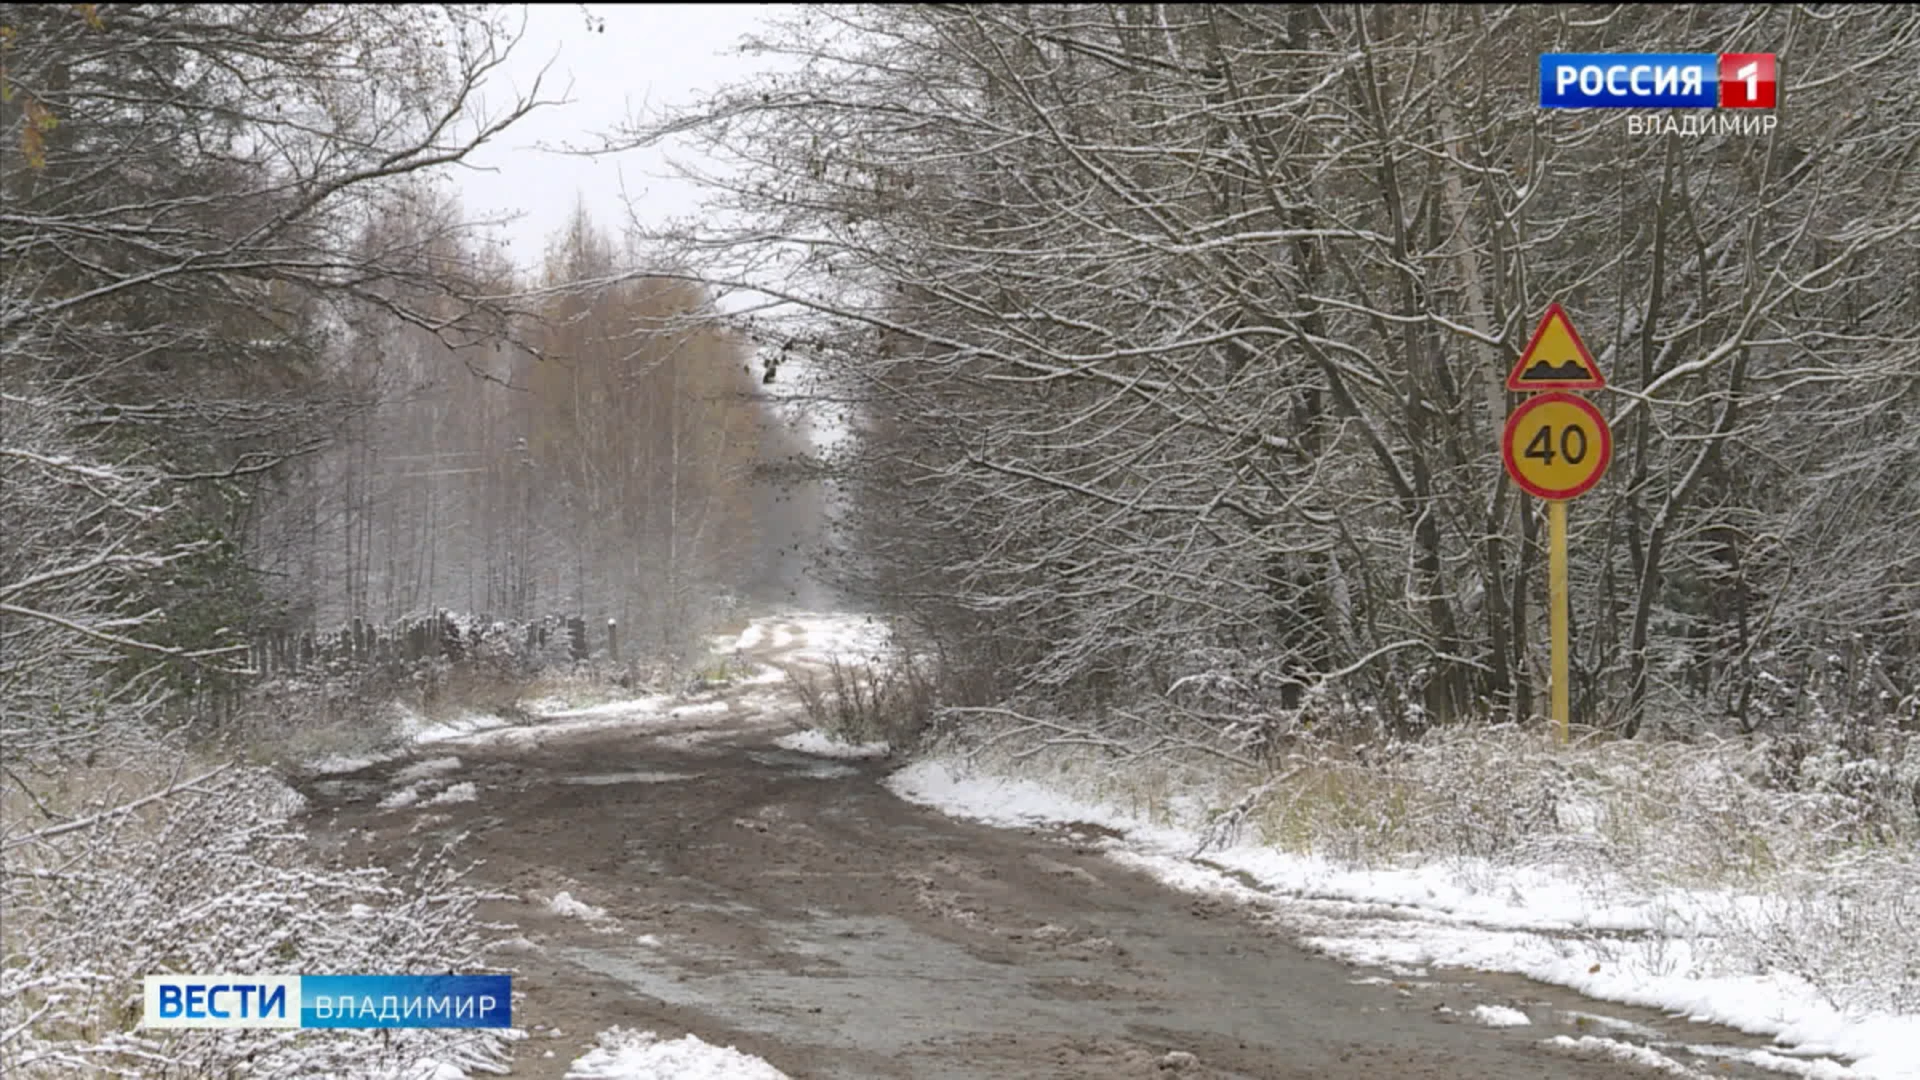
[(658, 53)]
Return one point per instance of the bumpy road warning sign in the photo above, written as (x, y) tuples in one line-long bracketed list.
[(1556, 358)]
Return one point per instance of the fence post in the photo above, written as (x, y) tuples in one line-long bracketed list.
[(450, 644), (577, 637), (613, 641)]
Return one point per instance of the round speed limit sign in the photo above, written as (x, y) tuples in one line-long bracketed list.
[(1556, 445)]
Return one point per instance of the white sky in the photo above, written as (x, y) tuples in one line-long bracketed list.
[(649, 53)]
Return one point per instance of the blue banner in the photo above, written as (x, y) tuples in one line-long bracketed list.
[(1629, 80), (406, 1001)]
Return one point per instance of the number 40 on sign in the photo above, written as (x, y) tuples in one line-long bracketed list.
[(1557, 446)]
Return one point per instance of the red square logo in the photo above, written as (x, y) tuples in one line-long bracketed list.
[(1747, 81)]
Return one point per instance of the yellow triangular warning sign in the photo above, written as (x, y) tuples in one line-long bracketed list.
[(1556, 358)]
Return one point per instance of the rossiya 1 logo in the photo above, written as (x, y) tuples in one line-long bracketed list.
[(1667, 81)]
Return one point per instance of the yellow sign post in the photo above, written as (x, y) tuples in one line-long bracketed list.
[(1556, 445), (1557, 618)]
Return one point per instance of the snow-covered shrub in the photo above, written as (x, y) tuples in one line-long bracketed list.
[(1850, 929), (863, 701), (209, 879)]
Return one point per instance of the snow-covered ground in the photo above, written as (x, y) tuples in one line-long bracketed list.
[(810, 638), (798, 638), (821, 744), (642, 1055), (624, 1054), (563, 903), (847, 638), (1604, 939)]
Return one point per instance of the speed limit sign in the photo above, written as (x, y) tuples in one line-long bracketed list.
[(1556, 446)]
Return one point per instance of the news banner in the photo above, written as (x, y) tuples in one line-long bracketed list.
[(1715, 81), (328, 1001)]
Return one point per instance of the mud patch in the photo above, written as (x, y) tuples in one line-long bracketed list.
[(799, 764), (640, 776), (872, 983), (346, 791)]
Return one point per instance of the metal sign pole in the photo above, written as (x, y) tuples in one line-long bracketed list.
[(1557, 599)]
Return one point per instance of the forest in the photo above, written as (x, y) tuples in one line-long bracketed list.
[(1168, 342), (1179, 336), (261, 374)]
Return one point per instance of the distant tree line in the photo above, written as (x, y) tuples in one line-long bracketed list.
[(261, 374), (598, 459)]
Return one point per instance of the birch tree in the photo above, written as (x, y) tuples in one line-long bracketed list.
[(184, 192)]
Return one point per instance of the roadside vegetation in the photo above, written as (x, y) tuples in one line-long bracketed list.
[(1173, 339)]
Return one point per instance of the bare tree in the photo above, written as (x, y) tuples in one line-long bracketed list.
[(185, 190), (1179, 332)]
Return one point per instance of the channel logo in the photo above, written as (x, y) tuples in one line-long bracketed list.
[(1658, 81), (328, 1001)]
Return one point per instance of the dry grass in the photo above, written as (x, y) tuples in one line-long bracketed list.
[(1827, 843), (867, 702), (1694, 814)]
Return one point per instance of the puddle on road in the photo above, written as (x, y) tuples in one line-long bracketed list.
[(804, 764), (875, 985), (866, 983), (643, 776)]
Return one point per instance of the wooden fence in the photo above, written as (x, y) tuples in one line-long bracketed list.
[(364, 645)]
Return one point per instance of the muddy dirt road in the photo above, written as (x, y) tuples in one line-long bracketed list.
[(789, 905)]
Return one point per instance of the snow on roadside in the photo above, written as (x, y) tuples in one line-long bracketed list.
[(652, 703), (1790, 1066), (335, 764), (847, 638), (564, 904), (642, 1055), (464, 791), (1500, 1016), (401, 799), (656, 709), (429, 1069), (1473, 914), (417, 729), (741, 642), (820, 744), (427, 770), (1593, 1046)]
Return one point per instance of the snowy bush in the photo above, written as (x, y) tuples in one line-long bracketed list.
[(209, 879), (1851, 930), (861, 702)]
